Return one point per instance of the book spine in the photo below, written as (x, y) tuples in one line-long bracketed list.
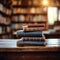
[(36, 25), (21, 33), (34, 29), (40, 39), (30, 43)]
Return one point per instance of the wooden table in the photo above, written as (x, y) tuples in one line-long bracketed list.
[(10, 51)]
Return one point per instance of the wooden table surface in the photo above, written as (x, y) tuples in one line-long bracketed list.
[(10, 45)]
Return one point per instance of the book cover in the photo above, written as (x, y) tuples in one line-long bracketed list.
[(36, 25), (33, 29), (30, 43), (21, 33)]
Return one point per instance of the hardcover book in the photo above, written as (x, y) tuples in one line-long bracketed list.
[(30, 43), (40, 39), (21, 33), (32, 29)]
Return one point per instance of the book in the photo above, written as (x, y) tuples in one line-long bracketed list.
[(21, 33), (1, 7), (35, 2), (14, 3), (40, 39), (31, 29), (21, 18), (0, 29), (32, 10), (36, 25), (8, 28), (30, 43), (15, 18)]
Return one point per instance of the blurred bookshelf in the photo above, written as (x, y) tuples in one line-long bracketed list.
[(27, 12), (5, 19), (14, 14)]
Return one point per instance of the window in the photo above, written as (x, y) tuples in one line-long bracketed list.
[(52, 15)]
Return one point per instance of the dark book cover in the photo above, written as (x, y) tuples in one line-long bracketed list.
[(21, 33), (30, 43)]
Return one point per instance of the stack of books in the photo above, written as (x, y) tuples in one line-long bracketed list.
[(31, 37)]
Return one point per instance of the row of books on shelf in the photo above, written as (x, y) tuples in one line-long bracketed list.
[(4, 20), (29, 18), (5, 10), (17, 25), (31, 10), (6, 3), (4, 29), (5, 36), (34, 2), (25, 2)]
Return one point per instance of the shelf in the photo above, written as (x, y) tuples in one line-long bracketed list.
[(4, 14), (15, 29), (4, 24), (29, 14), (7, 33), (28, 22), (24, 6)]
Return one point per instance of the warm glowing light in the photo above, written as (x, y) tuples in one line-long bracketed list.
[(45, 2), (52, 15)]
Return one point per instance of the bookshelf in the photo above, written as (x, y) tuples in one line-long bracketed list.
[(5, 17), (27, 12)]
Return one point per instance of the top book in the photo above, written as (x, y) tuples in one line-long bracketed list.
[(36, 25)]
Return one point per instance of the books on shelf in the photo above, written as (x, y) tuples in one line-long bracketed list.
[(29, 12), (8, 29), (5, 10), (17, 25), (4, 20), (0, 29), (8, 20), (35, 2), (29, 18), (29, 2), (37, 18), (8, 11), (15, 18), (5, 36), (32, 10), (3, 29), (14, 2), (1, 7), (19, 3), (21, 18)]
